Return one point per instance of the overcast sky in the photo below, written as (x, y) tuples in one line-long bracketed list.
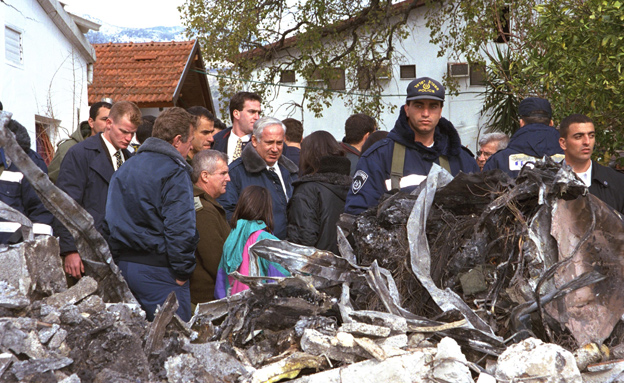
[(129, 13)]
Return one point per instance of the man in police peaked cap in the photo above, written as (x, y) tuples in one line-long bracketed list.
[(420, 137)]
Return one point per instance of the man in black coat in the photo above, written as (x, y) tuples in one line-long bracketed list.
[(578, 137), (245, 109), (86, 171)]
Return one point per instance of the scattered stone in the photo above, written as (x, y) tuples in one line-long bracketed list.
[(398, 341), (364, 329), (71, 379), (372, 348), (222, 365), (58, 339), (85, 287), (46, 333), (412, 367), (533, 358), (11, 298), (6, 358), (53, 317), (450, 365), (342, 347), (186, 368), (92, 305), (27, 368), (71, 315)]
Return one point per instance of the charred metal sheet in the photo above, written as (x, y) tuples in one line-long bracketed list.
[(447, 299), (307, 260), (591, 235)]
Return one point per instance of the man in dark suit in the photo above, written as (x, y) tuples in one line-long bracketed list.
[(245, 109), (87, 169)]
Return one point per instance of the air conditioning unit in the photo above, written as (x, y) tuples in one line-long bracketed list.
[(458, 70)]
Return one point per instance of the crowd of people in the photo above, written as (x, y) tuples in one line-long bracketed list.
[(181, 212)]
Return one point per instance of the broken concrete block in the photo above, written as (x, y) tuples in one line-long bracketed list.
[(486, 378), (92, 304), (11, 298), (57, 339), (14, 270), (450, 364), (186, 368), (412, 367), (612, 371), (324, 325), (364, 329), (71, 379), (398, 341), (342, 347), (54, 317), (45, 266), (221, 365), (85, 287), (27, 368), (395, 323), (372, 348), (46, 333), (533, 358), (71, 315), (6, 358), (35, 349)]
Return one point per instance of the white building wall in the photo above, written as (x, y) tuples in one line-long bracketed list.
[(51, 81), (462, 110)]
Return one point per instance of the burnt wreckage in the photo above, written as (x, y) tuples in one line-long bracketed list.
[(477, 276)]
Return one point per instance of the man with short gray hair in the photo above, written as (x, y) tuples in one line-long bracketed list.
[(210, 177), (262, 164), (490, 144)]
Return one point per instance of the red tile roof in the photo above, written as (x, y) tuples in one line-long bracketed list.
[(145, 73)]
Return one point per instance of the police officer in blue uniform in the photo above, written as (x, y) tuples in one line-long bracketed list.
[(535, 139), (420, 137)]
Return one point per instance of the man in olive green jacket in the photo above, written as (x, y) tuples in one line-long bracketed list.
[(210, 177)]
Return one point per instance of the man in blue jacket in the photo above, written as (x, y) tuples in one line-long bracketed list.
[(263, 164), (535, 139), (420, 137), (150, 215)]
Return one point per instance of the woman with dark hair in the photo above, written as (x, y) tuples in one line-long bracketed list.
[(319, 195), (251, 222)]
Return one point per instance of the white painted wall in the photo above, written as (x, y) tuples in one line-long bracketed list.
[(462, 110), (52, 81)]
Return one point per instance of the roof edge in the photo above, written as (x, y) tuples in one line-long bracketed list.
[(68, 27), (187, 66)]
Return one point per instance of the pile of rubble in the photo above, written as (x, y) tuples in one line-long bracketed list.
[(477, 278)]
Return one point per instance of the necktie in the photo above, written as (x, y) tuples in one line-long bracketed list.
[(118, 158), (238, 150), (277, 181)]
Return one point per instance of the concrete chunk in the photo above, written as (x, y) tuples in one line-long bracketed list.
[(6, 358), (27, 368), (186, 368), (364, 329), (85, 287), (409, 368), (11, 298), (58, 339), (533, 358), (46, 333), (450, 365), (342, 347), (219, 364)]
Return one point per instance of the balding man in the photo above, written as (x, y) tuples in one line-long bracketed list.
[(262, 163), (490, 144)]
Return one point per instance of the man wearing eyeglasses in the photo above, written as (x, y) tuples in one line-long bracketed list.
[(490, 144)]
